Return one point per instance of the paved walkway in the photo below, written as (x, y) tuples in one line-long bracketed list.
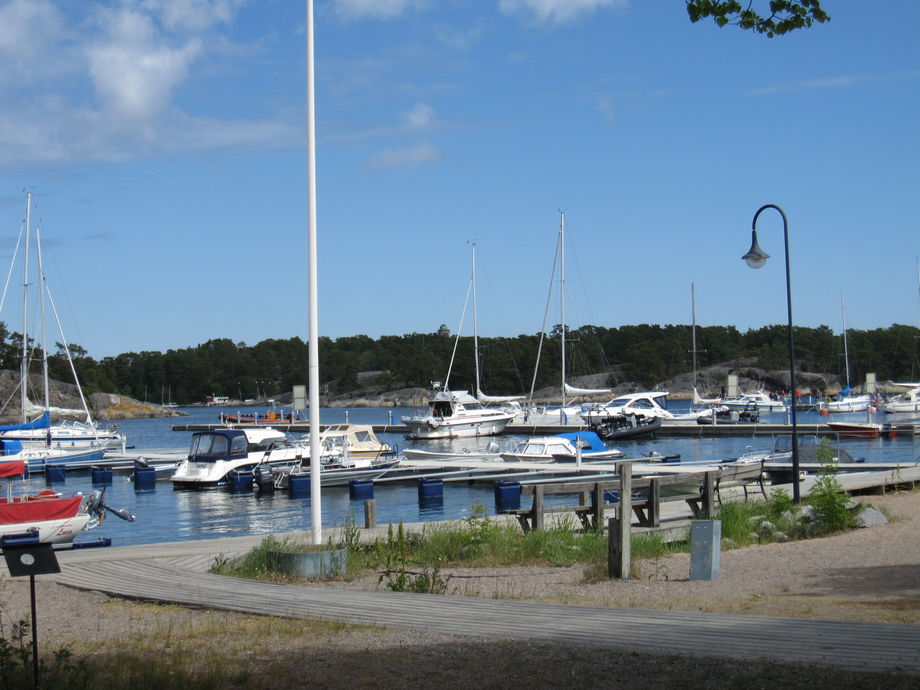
[(183, 579)]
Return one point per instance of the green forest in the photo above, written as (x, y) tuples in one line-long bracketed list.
[(643, 354)]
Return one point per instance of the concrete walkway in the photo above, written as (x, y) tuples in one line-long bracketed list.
[(177, 573)]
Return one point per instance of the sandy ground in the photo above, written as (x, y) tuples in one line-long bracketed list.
[(865, 575)]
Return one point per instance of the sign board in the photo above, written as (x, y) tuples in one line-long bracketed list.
[(870, 382), (732, 385), (25, 556), (300, 397)]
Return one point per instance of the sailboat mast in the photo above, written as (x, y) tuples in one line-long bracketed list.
[(846, 356), (562, 293), (24, 365), (41, 302), (475, 321)]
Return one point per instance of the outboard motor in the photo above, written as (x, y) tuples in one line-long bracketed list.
[(141, 463), (263, 477)]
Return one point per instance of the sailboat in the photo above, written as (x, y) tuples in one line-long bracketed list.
[(457, 414), (847, 402), (64, 436), (567, 412)]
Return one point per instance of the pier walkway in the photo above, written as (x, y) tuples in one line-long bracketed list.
[(857, 646)]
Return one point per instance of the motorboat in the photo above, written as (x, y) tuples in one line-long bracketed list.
[(335, 470), (909, 401), (726, 415), (564, 447), (213, 455), (627, 426), (859, 429), (645, 404), (456, 414), (759, 400), (354, 440), (49, 515)]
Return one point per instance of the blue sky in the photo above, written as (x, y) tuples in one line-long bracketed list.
[(164, 143)]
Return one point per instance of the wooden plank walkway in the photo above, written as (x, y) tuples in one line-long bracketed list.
[(858, 646)]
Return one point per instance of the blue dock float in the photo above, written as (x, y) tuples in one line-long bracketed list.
[(101, 475), (55, 474), (361, 489), (507, 496), (145, 478), (298, 485)]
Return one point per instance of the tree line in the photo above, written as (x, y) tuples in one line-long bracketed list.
[(644, 354)]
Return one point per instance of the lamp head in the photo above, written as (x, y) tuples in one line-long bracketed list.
[(755, 257)]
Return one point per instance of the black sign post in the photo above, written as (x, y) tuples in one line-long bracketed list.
[(26, 556)]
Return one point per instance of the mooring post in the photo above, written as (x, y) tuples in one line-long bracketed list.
[(708, 495), (619, 551), (370, 513), (536, 521), (598, 517)]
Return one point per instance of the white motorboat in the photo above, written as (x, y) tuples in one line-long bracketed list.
[(66, 435), (214, 454), (909, 401), (563, 448), (354, 440), (646, 404), (456, 414), (759, 400)]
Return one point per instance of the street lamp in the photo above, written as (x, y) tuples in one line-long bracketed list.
[(756, 258)]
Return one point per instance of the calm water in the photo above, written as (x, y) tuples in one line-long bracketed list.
[(167, 515)]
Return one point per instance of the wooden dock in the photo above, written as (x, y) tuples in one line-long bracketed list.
[(664, 431), (857, 646)]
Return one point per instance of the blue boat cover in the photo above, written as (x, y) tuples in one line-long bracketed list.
[(42, 422), (587, 437)]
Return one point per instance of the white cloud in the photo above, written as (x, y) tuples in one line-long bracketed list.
[(556, 11), (376, 9), (133, 72), (409, 157), (28, 30), (95, 81), (193, 15), (420, 116)]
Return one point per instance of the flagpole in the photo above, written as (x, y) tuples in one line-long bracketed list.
[(316, 521)]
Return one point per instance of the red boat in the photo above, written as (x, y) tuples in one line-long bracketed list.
[(57, 519)]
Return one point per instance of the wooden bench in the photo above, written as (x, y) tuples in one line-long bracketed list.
[(648, 508)]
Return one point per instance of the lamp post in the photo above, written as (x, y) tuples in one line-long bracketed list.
[(756, 258)]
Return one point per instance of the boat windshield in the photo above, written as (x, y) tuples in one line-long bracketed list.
[(213, 447)]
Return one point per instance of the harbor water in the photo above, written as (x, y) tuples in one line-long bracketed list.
[(166, 515)]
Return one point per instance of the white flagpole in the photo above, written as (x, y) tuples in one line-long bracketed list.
[(316, 521)]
